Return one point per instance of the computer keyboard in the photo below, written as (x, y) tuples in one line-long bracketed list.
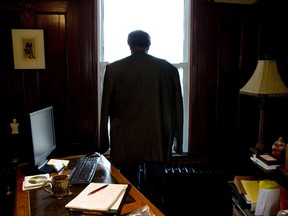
[(84, 170)]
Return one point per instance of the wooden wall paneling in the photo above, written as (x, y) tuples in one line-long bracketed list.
[(224, 51), (35, 89), (94, 75), (193, 77), (226, 125), (204, 51), (238, 36), (10, 84), (273, 44), (53, 80), (272, 28), (248, 114), (89, 107), (82, 87), (73, 73), (233, 39), (74, 76), (282, 63), (218, 56)]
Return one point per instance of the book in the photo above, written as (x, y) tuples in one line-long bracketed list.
[(263, 194), (268, 198), (107, 200), (252, 189), (262, 164), (238, 184), (267, 159), (34, 181)]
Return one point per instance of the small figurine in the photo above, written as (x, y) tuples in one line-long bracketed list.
[(278, 148), (14, 126)]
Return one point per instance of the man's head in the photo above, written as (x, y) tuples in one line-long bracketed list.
[(139, 41)]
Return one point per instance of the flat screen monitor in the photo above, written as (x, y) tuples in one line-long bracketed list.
[(43, 137)]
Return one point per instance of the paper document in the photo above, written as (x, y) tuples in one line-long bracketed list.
[(53, 161), (268, 198), (34, 181), (108, 198), (252, 189), (268, 202), (262, 164), (58, 164), (238, 184)]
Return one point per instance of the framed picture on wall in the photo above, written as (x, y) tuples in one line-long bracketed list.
[(28, 48)]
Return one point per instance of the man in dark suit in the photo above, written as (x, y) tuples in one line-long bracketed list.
[(143, 99)]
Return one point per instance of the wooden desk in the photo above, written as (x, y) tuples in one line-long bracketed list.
[(37, 202)]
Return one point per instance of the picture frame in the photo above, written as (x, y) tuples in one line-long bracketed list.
[(28, 48)]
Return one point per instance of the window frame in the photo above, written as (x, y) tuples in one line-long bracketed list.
[(183, 67)]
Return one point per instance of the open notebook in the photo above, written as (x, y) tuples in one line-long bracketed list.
[(108, 200)]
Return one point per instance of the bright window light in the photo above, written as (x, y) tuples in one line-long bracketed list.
[(167, 23), (161, 19)]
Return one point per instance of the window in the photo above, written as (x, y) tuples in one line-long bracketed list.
[(166, 21)]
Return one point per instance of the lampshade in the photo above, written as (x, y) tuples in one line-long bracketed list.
[(265, 81)]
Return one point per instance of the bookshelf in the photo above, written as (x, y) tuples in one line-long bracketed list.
[(275, 175)]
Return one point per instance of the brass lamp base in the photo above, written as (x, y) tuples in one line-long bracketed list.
[(259, 148)]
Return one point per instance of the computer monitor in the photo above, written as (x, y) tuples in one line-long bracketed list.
[(43, 137)]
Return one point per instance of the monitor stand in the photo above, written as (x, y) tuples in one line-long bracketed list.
[(46, 168)]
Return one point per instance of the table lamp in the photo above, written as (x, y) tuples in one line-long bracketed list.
[(265, 82)]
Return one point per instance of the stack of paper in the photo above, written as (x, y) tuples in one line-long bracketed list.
[(264, 196), (109, 198), (268, 198), (58, 164), (34, 181), (239, 185), (262, 164), (252, 189), (268, 159)]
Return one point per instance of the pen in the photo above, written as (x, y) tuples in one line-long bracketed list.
[(98, 189)]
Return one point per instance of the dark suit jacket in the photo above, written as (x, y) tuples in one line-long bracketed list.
[(142, 96)]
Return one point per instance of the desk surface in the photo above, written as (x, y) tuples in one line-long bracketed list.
[(35, 202)]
